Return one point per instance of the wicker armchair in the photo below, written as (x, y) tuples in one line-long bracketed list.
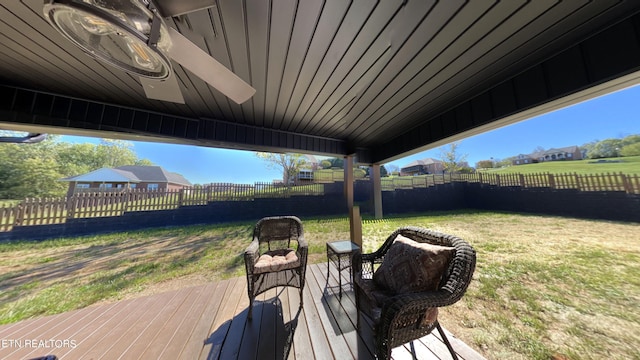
[(401, 318), (271, 260)]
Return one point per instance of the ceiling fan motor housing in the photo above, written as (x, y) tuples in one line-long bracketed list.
[(127, 34)]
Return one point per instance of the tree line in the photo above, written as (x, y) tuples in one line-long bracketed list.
[(34, 170), (626, 146)]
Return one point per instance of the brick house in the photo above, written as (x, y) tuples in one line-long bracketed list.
[(126, 177), (421, 167), (560, 154)]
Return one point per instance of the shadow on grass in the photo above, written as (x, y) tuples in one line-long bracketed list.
[(102, 270)]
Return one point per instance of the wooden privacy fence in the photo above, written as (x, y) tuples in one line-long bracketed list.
[(42, 211), (411, 182), (115, 203), (582, 182)]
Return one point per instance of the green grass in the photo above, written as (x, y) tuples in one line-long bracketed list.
[(7, 203), (544, 286), (627, 165)]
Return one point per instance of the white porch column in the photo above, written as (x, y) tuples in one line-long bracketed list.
[(377, 190)]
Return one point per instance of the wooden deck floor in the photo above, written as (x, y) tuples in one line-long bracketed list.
[(210, 322)]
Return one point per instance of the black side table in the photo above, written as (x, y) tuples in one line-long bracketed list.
[(339, 253)]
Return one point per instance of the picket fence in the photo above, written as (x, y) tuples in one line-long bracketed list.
[(42, 211), (581, 182)]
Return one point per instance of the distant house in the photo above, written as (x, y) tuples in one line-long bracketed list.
[(560, 154), (126, 177), (522, 159), (424, 166), (306, 173)]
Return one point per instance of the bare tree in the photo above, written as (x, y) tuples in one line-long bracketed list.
[(290, 164), (452, 160), (393, 169)]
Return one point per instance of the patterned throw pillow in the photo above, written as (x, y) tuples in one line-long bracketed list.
[(410, 266)]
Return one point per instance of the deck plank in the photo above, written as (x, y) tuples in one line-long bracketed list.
[(50, 328), (222, 321), (251, 334), (344, 317), (171, 328), (319, 342), (301, 347), (193, 348), (85, 332), (108, 347), (139, 343), (187, 335), (210, 322), (337, 342), (268, 321), (232, 343)]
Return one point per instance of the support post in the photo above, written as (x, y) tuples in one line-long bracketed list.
[(355, 225), (348, 181), (377, 190), (355, 222)]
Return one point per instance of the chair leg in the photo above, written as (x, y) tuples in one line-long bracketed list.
[(446, 341), (301, 298), (413, 351), (250, 315)]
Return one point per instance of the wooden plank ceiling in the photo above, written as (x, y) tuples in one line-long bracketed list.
[(377, 78)]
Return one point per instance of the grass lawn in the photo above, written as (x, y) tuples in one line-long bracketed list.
[(544, 286)]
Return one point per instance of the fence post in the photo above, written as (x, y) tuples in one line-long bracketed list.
[(626, 183), (19, 214), (70, 207), (578, 183), (552, 181)]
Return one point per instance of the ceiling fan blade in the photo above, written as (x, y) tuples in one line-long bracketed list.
[(194, 59), (170, 8), (30, 138), (165, 89)]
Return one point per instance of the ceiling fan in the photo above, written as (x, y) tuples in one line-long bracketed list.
[(131, 35), (26, 138)]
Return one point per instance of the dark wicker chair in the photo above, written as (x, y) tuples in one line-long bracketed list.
[(277, 256), (401, 318)]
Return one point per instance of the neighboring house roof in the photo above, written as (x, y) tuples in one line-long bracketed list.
[(422, 162), (132, 174), (105, 175), (156, 174), (568, 149)]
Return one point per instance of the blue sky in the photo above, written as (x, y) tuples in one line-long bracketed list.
[(611, 116)]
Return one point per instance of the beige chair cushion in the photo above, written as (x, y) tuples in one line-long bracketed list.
[(410, 266), (276, 260)]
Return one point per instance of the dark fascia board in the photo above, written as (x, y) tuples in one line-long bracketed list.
[(29, 109), (603, 63)]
